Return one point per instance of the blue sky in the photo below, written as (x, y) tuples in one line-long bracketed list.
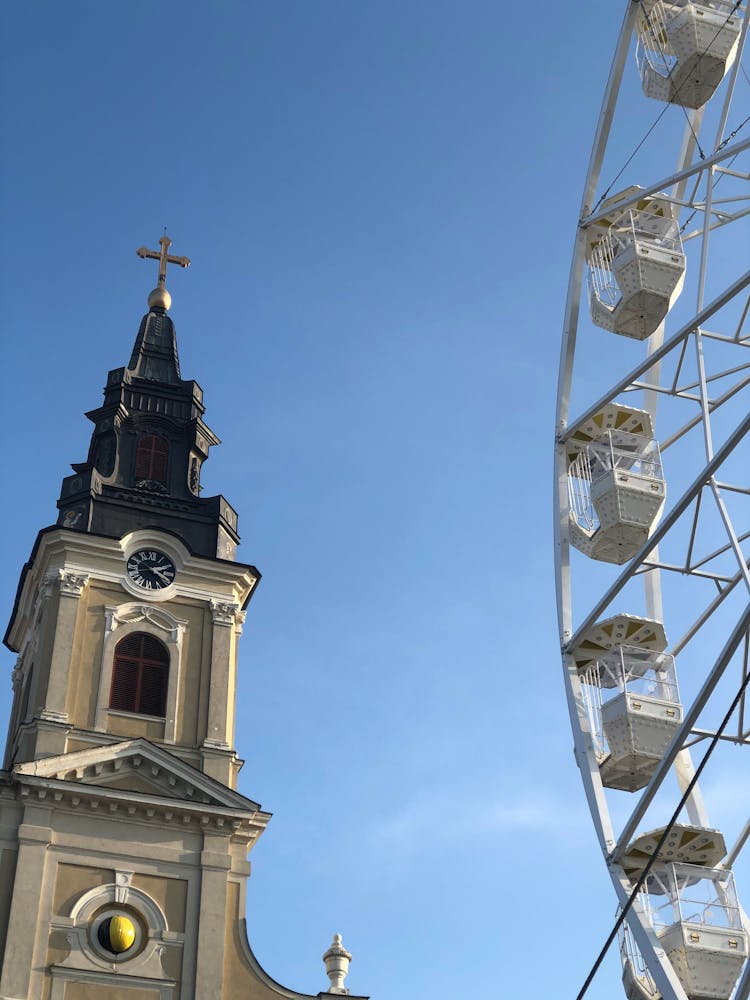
[(379, 201)]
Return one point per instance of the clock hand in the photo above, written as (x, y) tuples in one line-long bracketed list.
[(160, 573)]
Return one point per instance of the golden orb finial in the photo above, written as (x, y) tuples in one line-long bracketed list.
[(159, 298)]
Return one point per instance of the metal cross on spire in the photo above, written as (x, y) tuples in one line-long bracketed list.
[(160, 297), (164, 258)]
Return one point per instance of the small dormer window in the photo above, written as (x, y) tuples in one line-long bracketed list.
[(139, 675), (151, 457)]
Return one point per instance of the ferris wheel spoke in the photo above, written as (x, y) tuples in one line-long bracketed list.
[(697, 167)]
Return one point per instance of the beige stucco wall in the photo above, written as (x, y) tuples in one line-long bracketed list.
[(170, 894), (71, 881), (100, 832), (7, 873), (92, 991), (132, 727), (58, 950), (239, 979), (83, 688)]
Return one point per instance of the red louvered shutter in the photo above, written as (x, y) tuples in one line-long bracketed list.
[(139, 675), (153, 684), (124, 684)]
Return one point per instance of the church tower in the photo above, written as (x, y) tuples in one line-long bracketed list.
[(123, 838)]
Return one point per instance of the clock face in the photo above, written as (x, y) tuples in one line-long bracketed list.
[(150, 569)]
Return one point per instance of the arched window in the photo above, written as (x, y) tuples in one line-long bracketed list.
[(139, 675), (151, 459)]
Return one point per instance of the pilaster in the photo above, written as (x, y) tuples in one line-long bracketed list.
[(227, 625), (34, 836), (215, 865), (71, 585)]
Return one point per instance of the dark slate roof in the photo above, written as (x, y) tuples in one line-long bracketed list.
[(154, 354)]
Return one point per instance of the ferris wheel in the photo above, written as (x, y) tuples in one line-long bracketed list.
[(652, 493)]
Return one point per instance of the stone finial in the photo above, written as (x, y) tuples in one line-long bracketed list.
[(337, 960)]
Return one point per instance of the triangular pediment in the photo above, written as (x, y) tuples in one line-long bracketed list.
[(137, 767)]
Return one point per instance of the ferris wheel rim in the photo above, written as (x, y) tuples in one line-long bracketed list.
[(612, 846)]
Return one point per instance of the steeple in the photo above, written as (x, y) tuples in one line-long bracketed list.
[(149, 444), (123, 855)]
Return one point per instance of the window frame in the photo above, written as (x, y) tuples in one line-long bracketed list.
[(152, 450)]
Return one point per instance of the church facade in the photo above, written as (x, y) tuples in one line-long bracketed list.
[(123, 838)]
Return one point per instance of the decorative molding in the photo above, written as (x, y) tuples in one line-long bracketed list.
[(151, 499), (133, 614), (226, 613), (151, 486), (62, 975), (17, 676), (122, 886), (43, 594), (86, 962), (142, 617), (71, 582), (89, 902), (49, 715)]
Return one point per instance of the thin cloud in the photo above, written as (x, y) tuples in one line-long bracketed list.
[(436, 821)]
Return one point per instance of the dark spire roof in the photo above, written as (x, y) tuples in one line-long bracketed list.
[(147, 449), (154, 354)]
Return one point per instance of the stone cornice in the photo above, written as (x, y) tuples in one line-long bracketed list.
[(139, 805)]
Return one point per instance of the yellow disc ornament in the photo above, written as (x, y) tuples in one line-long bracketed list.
[(117, 934)]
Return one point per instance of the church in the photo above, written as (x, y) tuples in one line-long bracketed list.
[(123, 838)]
